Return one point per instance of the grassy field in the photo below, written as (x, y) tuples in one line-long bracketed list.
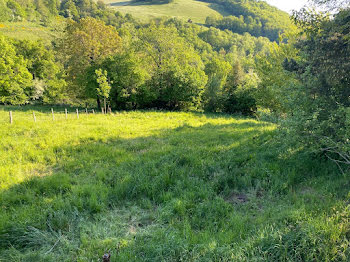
[(31, 31), (197, 11), (161, 186)]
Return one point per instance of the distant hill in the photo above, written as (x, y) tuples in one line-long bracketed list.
[(255, 17), (197, 11), (239, 16)]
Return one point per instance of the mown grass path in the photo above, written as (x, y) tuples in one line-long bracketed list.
[(161, 186)]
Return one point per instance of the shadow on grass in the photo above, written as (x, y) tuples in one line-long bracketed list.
[(183, 175), (217, 7), (149, 2), (124, 3)]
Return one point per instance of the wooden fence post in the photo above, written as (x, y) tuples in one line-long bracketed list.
[(65, 112), (93, 111), (86, 111), (11, 119), (34, 117), (53, 116), (77, 113)]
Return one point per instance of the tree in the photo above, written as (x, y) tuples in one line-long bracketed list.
[(178, 78), (48, 75), (15, 79), (332, 4), (86, 43), (18, 12), (238, 89), (217, 72), (69, 9), (324, 121), (276, 88), (4, 11), (104, 87), (127, 74)]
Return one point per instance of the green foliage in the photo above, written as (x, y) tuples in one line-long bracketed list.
[(278, 88), (15, 79), (84, 44), (41, 61), (178, 78), (239, 90), (217, 72), (323, 121), (30, 73), (127, 74), (4, 11), (104, 87), (17, 12), (159, 70), (256, 17), (69, 9)]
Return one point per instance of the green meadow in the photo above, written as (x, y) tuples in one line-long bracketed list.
[(31, 30), (164, 186), (195, 10)]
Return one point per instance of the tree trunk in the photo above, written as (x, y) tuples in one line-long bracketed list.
[(98, 102), (104, 101)]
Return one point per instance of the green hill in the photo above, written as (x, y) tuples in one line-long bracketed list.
[(239, 16), (197, 11), (255, 17), (27, 30)]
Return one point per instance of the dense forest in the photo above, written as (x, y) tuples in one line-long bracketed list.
[(256, 17)]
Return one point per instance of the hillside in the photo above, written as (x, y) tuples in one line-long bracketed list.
[(251, 16), (28, 30), (255, 17), (197, 11)]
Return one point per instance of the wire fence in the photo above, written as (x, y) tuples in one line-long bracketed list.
[(53, 115)]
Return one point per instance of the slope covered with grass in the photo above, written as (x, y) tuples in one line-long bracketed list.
[(197, 11), (30, 30), (159, 186)]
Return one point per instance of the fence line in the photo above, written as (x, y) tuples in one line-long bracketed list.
[(65, 112), (11, 119)]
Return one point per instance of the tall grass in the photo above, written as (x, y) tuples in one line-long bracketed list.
[(161, 186)]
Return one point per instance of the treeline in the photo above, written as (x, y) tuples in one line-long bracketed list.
[(166, 64), (29, 72), (46, 10), (255, 17)]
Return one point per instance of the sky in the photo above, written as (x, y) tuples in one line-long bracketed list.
[(287, 5)]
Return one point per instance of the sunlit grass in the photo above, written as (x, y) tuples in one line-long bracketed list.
[(163, 186), (28, 147), (32, 31), (197, 11)]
